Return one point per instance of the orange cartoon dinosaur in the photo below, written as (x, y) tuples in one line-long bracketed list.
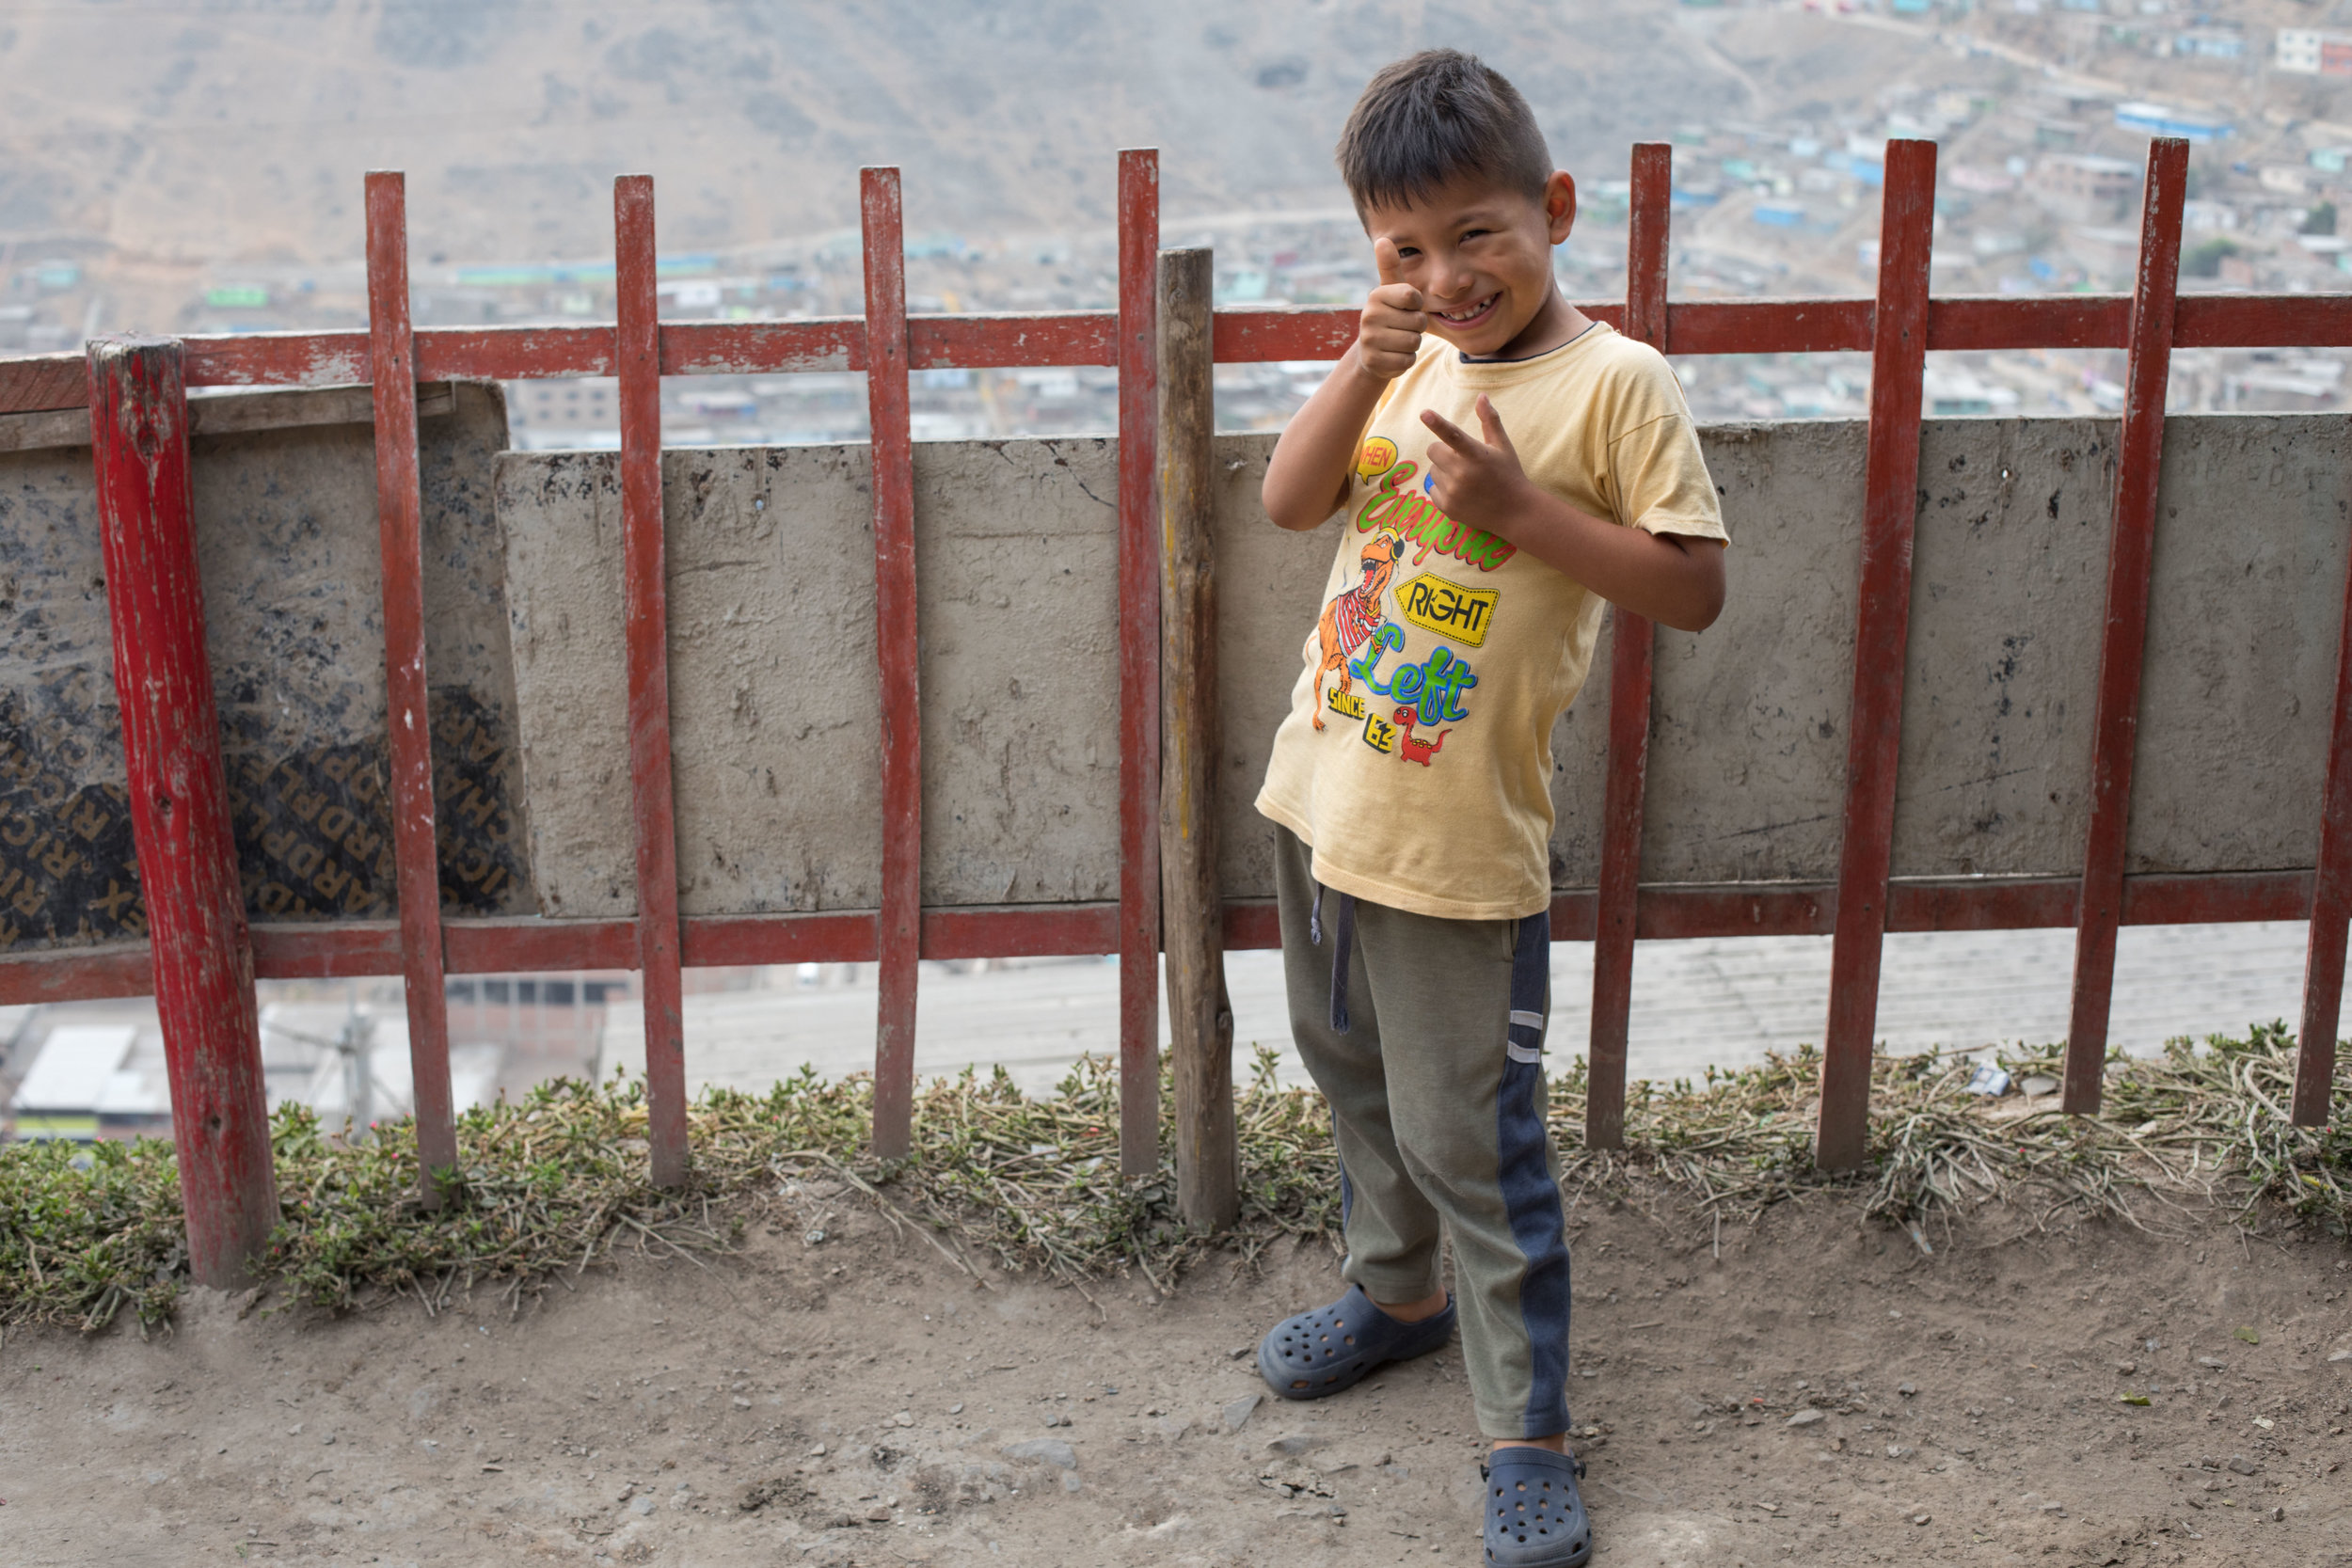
[(1353, 614), (1409, 749)]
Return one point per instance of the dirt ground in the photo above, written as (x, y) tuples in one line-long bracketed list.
[(1799, 1389)]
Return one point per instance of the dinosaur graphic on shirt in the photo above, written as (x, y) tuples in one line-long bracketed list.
[(1409, 749), (1355, 613)]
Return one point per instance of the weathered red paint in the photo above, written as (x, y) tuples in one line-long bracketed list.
[(1014, 339), (1631, 644), (399, 532), (1770, 325), (2053, 321), (513, 353), (324, 950), (1138, 347), (646, 620), (2263, 321), (2331, 899), (37, 383), (79, 973), (771, 348), (894, 634), (1874, 722), (508, 944), (2131, 558), (187, 862), (278, 359)]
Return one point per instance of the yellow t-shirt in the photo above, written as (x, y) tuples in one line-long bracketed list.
[(1417, 756)]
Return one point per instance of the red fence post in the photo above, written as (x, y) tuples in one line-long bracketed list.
[(2131, 555), (187, 862), (1632, 641), (1140, 549), (645, 593), (893, 454), (1881, 631), (2331, 900), (400, 530)]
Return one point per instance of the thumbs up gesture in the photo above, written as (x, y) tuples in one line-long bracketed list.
[(1388, 337)]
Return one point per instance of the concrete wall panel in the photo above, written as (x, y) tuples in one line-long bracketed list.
[(2009, 575), (775, 699), (772, 665), (1748, 750), (2251, 527), (1017, 547), (287, 546)]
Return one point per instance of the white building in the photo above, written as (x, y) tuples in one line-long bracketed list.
[(2312, 52)]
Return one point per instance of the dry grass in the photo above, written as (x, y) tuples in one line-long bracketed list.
[(552, 1183)]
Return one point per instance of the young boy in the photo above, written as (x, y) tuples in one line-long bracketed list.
[(1504, 464)]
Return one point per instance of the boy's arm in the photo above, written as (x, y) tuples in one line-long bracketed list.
[(1674, 578), (1306, 478)]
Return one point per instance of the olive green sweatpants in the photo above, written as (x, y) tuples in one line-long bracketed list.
[(1426, 1037)]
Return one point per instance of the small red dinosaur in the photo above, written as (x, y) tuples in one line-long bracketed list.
[(1409, 749)]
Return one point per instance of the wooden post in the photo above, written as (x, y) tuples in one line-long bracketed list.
[(1882, 628), (399, 532), (187, 862), (1138, 656), (645, 616), (1192, 904), (892, 451), (1632, 644), (2331, 900), (2131, 558)]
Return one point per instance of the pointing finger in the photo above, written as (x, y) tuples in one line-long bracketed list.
[(1451, 433), (1491, 422)]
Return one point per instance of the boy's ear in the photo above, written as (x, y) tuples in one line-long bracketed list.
[(1560, 204)]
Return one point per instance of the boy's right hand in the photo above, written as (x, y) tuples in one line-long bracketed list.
[(1388, 337)]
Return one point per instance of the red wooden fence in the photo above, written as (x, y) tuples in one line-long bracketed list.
[(1898, 328)]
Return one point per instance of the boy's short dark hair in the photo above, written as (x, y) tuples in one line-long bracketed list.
[(1432, 118)]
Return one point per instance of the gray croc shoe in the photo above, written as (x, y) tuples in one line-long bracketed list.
[(1320, 1353), (1535, 1513)]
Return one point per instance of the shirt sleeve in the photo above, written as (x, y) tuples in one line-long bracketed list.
[(1658, 477)]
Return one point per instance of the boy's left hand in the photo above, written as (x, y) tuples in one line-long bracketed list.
[(1476, 481)]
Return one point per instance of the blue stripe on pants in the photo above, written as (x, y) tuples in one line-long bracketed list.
[(1529, 1195)]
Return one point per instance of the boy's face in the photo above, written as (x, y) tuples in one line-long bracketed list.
[(1481, 255)]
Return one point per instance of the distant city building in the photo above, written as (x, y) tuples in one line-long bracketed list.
[(2157, 119), (2209, 42), (2103, 250), (95, 1081), (573, 412), (2084, 186), (2314, 52), (2208, 217), (1982, 179)]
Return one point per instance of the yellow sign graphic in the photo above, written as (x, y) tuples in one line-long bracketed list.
[(1380, 735), (1379, 456), (1347, 703), (1449, 608)]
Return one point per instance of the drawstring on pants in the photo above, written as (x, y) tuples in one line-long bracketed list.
[(1343, 949)]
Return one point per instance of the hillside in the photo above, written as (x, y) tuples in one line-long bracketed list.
[(235, 134)]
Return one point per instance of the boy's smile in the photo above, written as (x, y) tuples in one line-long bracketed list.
[(1481, 255)]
